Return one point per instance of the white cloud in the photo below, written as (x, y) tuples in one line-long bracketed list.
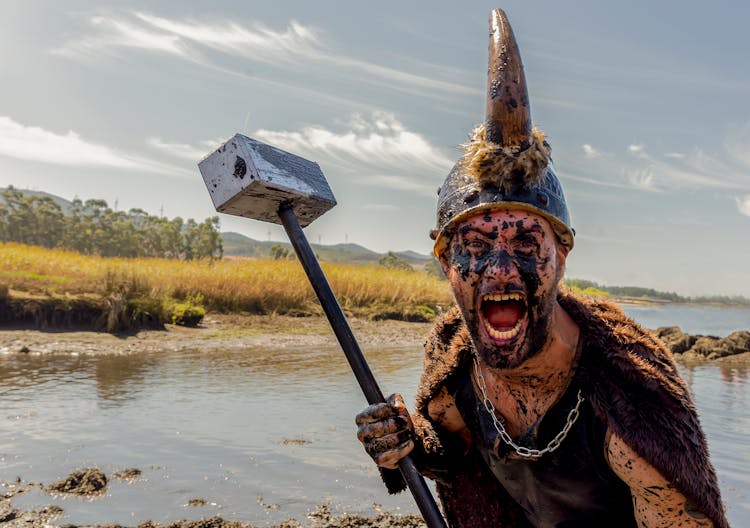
[(113, 33), (33, 143), (694, 169), (642, 178), (637, 150), (590, 152), (189, 39), (184, 150), (743, 204), (36, 144), (259, 42), (378, 141)]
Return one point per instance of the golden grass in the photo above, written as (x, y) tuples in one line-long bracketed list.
[(251, 285)]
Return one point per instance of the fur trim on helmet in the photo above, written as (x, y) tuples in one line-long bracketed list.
[(505, 167)]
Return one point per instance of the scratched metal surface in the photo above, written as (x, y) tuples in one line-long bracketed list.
[(249, 178)]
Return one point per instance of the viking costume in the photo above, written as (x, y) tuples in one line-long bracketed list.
[(630, 386), (625, 381)]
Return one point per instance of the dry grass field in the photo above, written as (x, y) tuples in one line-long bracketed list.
[(41, 280)]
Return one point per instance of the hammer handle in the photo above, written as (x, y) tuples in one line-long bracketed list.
[(359, 366)]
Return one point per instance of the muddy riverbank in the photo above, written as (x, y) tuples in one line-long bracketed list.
[(236, 332), (321, 517), (92, 482), (217, 332)]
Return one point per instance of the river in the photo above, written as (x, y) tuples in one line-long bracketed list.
[(264, 435)]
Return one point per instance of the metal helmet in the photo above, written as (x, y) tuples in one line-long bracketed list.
[(506, 163)]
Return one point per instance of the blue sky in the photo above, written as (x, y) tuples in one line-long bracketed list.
[(645, 105)]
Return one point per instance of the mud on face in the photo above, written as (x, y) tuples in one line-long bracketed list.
[(504, 267)]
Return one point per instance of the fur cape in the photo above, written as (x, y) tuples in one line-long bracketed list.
[(631, 381)]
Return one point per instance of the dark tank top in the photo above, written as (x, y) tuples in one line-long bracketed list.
[(572, 487)]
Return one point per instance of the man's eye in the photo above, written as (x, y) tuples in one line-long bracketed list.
[(526, 245), (476, 245)]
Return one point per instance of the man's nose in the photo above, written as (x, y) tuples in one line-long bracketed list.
[(501, 264)]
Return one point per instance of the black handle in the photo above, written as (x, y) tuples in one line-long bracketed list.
[(361, 369)]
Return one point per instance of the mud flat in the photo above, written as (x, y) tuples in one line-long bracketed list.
[(82, 481), (218, 332), (235, 332)]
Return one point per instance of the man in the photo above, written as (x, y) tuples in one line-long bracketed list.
[(537, 407)]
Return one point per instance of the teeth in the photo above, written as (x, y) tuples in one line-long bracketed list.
[(508, 334), (503, 297)]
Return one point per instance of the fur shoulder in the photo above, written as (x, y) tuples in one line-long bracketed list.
[(447, 345), (632, 382)]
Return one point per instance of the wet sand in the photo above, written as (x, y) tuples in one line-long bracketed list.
[(45, 517), (237, 332), (217, 332)]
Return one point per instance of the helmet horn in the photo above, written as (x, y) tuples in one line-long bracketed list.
[(508, 117)]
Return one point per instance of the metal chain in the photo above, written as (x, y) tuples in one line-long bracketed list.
[(521, 450)]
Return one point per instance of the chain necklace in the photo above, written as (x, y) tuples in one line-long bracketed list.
[(521, 450)]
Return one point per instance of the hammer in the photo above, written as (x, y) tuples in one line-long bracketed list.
[(249, 178)]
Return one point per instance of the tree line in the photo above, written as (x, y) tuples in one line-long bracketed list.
[(650, 293), (93, 228)]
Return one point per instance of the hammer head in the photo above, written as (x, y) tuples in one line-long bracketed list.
[(246, 177)]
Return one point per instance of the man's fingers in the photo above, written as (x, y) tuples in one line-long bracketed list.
[(375, 413), (368, 431), (385, 429), (390, 459), (400, 407), (378, 446)]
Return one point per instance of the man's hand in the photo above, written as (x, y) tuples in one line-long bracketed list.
[(386, 431)]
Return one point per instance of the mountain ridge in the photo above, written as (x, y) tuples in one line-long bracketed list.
[(239, 245)]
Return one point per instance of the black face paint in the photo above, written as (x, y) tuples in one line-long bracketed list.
[(538, 311), (505, 268), (460, 260)]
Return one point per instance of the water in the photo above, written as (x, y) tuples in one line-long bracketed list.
[(263, 435)]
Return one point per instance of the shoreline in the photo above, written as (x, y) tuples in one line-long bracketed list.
[(320, 517), (242, 331), (217, 332)]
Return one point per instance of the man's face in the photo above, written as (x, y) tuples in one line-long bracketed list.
[(504, 267)]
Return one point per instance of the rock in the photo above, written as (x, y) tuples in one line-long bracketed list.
[(128, 474), (707, 346), (675, 339), (703, 347), (89, 481), (739, 341), (7, 513)]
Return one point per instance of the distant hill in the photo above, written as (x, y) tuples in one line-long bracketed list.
[(236, 244), (62, 202)]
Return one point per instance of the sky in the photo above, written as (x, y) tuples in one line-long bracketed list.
[(646, 106)]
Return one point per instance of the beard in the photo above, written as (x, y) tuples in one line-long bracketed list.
[(530, 343)]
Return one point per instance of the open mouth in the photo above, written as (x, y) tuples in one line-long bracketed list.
[(503, 315)]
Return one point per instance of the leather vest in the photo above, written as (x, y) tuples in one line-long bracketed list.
[(572, 487)]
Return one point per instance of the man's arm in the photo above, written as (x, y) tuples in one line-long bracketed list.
[(656, 502)]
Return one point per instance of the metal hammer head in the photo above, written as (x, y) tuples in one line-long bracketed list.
[(246, 177)]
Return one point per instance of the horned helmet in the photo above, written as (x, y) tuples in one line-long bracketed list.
[(506, 163)]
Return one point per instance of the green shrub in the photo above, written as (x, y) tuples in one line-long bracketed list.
[(188, 313)]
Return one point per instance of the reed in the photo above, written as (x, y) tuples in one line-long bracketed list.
[(253, 285)]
